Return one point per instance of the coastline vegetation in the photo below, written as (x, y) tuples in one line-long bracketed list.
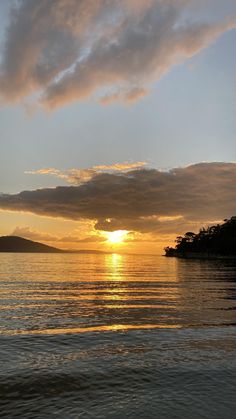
[(214, 241)]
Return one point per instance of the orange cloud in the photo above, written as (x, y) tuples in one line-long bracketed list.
[(76, 176), (120, 166), (128, 97), (37, 235)]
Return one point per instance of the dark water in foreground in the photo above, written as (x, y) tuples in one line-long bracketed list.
[(110, 336)]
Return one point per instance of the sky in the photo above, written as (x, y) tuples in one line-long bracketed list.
[(116, 115)]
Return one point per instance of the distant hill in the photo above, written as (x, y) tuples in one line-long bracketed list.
[(19, 245), (214, 241), (15, 244)]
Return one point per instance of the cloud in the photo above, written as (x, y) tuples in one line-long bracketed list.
[(89, 239), (77, 176), (139, 200), (32, 234), (128, 97), (62, 51), (73, 176), (37, 235), (119, 167)]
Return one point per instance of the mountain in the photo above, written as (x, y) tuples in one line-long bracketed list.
[(214, 241), (19, 245)]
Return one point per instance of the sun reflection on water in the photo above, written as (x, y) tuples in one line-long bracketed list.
[(114, 265), (79, 293)]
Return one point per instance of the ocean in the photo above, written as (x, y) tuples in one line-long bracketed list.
[(116, 336)]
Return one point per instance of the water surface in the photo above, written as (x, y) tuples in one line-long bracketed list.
[(113, 336)]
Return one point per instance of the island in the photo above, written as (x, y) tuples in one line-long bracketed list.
[(214, 242), (20, 245), (16, 244)]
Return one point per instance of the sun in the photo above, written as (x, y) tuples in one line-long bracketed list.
[(116, 237)]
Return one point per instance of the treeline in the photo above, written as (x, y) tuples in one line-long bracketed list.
[(218, 239)]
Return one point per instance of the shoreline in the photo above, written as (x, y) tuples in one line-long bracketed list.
[(201, 256)]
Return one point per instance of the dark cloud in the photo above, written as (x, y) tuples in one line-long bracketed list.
[(140, 200), (68, 49)]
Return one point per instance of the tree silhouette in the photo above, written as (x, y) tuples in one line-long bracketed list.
[(219, 239)]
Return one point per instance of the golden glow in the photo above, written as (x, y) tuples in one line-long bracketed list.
[(116, 237), (101, 328), (64, 234)]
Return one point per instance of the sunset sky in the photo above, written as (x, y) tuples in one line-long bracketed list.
[(116, 116)]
